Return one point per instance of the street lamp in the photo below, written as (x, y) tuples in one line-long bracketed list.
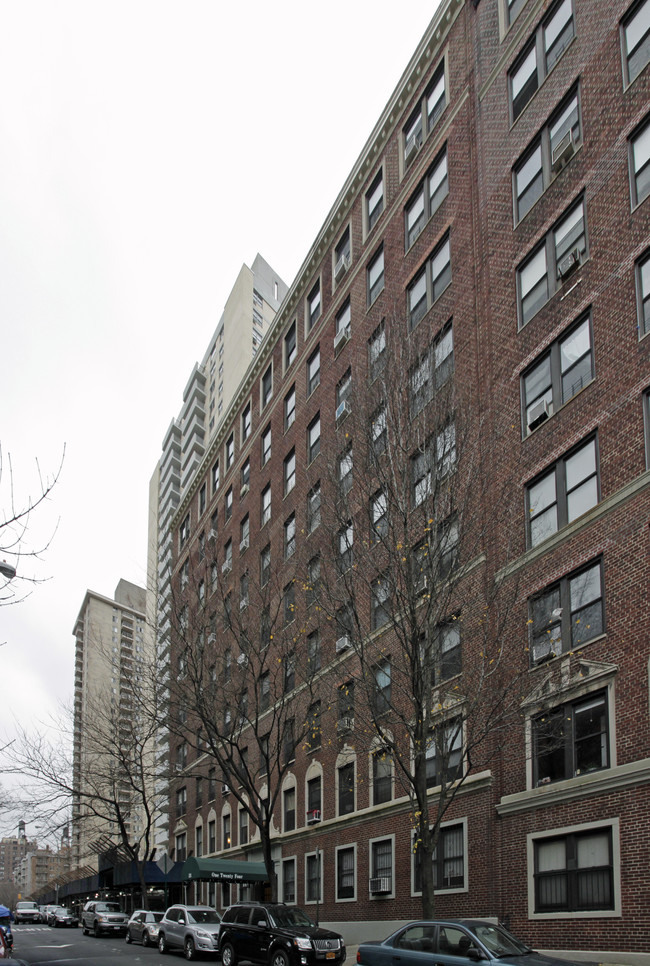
[(7, 570)]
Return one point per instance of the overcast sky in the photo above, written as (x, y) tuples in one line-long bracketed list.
[(147, 150)]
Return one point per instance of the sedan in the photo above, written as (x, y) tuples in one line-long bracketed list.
[(63, 917), (451, 941), (143, 927), (51, 912)]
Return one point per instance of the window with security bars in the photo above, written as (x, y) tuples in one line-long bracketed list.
[(448, 860), (574, 872), (345, 873), (312, 877), (289, 880), (382, 777), (346, 788), (382, 860), (444, 753)]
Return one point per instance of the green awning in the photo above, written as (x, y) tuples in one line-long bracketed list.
[(223, 870)]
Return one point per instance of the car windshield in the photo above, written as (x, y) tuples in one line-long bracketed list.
[(64, 912), (499, 941), (107, 907), (289, 917), (203, 915), (154, 916)]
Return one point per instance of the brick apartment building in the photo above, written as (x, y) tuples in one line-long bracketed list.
[(493, 237)]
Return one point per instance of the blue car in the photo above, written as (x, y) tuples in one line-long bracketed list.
[(452, 942)]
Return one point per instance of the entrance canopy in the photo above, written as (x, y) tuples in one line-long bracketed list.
[(223, 870)]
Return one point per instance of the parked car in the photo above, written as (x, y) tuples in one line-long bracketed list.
[(27, 911), (51, 910), (449, 941), (142, 927), (99, 916), (63, 917), (278, 935), (194, 929)]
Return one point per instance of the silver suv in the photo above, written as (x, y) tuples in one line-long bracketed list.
[(99, 916), (194, 929)]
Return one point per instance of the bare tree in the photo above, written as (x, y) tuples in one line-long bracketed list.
[(414, 514), (16, 539), (246, 681)]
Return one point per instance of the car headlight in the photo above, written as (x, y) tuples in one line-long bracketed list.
[(302, 942), (202, 934)]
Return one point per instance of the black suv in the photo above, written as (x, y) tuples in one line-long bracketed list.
[(277, 935)]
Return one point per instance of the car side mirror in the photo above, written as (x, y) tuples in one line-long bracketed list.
[(181, 920), (475, 954), (262, 923)]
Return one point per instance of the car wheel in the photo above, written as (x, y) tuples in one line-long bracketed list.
[(190, 949), (162, 944), (228, 955), (279, 958), (145, 939), (127, 936), (97, 931), (84, 931)]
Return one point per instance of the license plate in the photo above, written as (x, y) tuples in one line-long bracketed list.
[(330, 955)]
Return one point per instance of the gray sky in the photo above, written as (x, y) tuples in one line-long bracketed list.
[(147, 150)]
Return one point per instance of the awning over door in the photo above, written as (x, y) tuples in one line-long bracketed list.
[(223, 870)]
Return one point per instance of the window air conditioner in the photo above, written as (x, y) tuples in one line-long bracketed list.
[(244, 490), (343, 643), (569, 263), (341, 266), (226, 567), (313, 816), (244, 544), (212, 535), (342, 337), (379, 885), (562, 152), (342, 410), (412, 148), (538, 414), (242, 660), (212, 638), (345, 724)]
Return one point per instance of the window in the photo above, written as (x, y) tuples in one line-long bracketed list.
[(345, 706), (635, 39), (345, 873), (574, 872), (265, 565), (549, 152), (267, 386), (448, 861), (312, 877), (288, 880), (289, 472), (570, 740), (640, 163), (342, 392), (212, 836), (346, 788), (230, 450), (290, 348), (313, 439), (512, 9), (227, 509), (382, 777), (289, 741), (245, 477), (227, 556), (215, 477), (314, 795), (379, 516), (343, 325), (314, 652), (313, 588), (313, 371), (567, 614), (377, 351), (345, 465), (561, 372), (342, 255), (246, 423), (444, 753), (313, 508), (381, 866), (427, 199), (243, 826), (290, 536), (643, 294), (448, 538), (375, 200), (313, 306), (549, 42), (313, 738), (289, 411), (199, 841), (181, 801), (426, 115), (184, 531), (543, 272), (376, 276), (289, 809), (289, 682), (345, 546), (431, 371), (266, 445), (382, 689), (438, 455), (202, 498), (379, 431), (563, 493), (447, 652), (181, 847), (243, 591), (266, 505), (431, 282), (289, 602), (380, 603)]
